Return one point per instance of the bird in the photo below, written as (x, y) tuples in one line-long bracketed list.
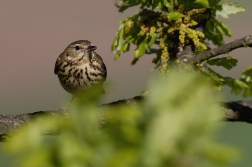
[(80, 68)]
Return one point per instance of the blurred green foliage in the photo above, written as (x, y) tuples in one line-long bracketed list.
[(176, 126)]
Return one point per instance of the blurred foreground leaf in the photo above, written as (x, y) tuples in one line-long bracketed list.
[(174, 127)]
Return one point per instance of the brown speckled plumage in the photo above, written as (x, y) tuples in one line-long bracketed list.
[(79, 67)]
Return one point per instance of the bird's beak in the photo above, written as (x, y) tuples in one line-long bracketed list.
[(90, 48)]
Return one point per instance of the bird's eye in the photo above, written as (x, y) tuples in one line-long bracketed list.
[(77, 48)]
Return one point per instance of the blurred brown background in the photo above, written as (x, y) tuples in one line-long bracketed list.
[(34, 33)]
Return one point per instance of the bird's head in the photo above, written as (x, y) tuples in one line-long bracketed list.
[(79, 50)]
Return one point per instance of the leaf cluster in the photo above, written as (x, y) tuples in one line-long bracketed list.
[(238, 86), (169, 30), (165, 28)]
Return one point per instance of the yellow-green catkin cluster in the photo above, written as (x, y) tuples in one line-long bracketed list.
[(184, 27), (145, 30), (150, 24), (186, 32), (142, 31), (155, 25), (199, 14), (152, 30), (164, 56)]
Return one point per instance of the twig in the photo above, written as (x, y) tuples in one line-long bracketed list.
[(243, 42)]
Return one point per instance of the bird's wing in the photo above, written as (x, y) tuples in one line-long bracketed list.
[(57, 65), (105, 71), (98, 58)]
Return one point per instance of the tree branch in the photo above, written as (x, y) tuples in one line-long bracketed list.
[(237, 111), (243, 42)]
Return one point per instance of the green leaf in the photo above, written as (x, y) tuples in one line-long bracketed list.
[(117, 39), (215, 31), (126, 47), (226, 62), (222, 27), (212, 35), (115, 43), (134, 61), (128, 4), (247, 75), (189, 4), (152, 39), (140, 50), (247, 92), (217, 78), (201, 3), (147, 48), (174, 16), (118, 54), (236, 85), (126, 44), (229, 8), (160, 4), (247, 78), (121, 47)]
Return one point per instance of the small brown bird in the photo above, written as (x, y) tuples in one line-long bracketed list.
[(79, 67)]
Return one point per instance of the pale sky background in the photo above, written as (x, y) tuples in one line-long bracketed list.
[(34, 33)]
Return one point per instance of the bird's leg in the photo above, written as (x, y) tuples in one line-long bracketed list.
[(69, 105), (72, 100)]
